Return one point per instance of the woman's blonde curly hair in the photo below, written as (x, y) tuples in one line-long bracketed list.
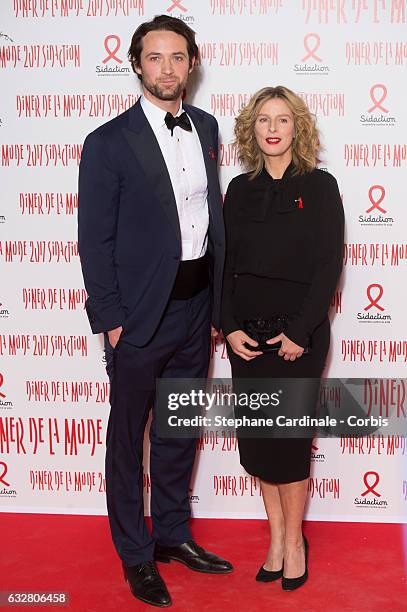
[(306, 144)]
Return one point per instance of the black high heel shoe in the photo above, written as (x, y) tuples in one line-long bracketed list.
[(290, 584), (264, 575)]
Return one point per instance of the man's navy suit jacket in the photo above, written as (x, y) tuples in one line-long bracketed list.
[(129, 233)]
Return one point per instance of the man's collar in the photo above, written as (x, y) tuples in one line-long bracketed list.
[(155, 114)]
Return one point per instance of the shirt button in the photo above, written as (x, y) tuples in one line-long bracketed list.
[(183, 169), (186, 198)]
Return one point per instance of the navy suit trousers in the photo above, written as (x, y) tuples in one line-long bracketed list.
[(180, 348)]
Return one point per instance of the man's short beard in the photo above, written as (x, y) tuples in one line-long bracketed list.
[(161, 94)]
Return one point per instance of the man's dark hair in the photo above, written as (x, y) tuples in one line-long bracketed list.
[(161, 22)]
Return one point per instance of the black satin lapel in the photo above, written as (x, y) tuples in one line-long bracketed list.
[(148, 153), (209, 156)]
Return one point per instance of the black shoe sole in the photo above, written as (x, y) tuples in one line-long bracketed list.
[(151, 603), (168, 559), (147, 601)]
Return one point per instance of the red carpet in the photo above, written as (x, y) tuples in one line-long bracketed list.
[(352, 566)]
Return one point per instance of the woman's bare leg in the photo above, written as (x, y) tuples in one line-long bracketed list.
[(271, 497), (292, 498)]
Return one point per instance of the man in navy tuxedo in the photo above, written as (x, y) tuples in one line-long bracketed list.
[(151, 244)]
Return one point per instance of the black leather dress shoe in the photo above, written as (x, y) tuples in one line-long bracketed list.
[(194, 557), (264, 575), (146, 584), (290, 584)]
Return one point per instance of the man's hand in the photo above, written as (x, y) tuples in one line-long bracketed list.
[(114, 336), (237, 339), (289, 350)]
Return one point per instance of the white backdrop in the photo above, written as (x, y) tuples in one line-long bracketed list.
[(64, 72)]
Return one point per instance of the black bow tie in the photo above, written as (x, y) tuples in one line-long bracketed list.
[(183, 121)]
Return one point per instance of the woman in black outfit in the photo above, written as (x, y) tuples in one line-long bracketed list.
[(284, 227)]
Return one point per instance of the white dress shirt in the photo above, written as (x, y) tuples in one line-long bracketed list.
[(183, 157)]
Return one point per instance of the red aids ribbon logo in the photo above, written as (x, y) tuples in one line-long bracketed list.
[(176, 4), (211, 153), (378, 103), (370, 488), (111, 53), (374, 301), (3, 473), (311, 51), (300, 204), (376, 203), (1, 384)]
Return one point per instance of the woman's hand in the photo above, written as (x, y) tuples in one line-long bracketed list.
[(289, 350), (237, 339)]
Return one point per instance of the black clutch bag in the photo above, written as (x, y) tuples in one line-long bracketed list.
[(264, 329)]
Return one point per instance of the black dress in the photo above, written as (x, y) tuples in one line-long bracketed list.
[(284, 245)]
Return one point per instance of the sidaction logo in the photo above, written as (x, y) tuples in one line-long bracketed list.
[(4, 402), (194, 499), (180, 5), (112, 64), (376, 214), (176, 4), (370, 496), (316, 456), (373, 312), (5, 487), (4, 313), (378, 113), (312, 42)]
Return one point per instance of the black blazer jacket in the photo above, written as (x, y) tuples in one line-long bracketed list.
[(298, 225), (129, 234)]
